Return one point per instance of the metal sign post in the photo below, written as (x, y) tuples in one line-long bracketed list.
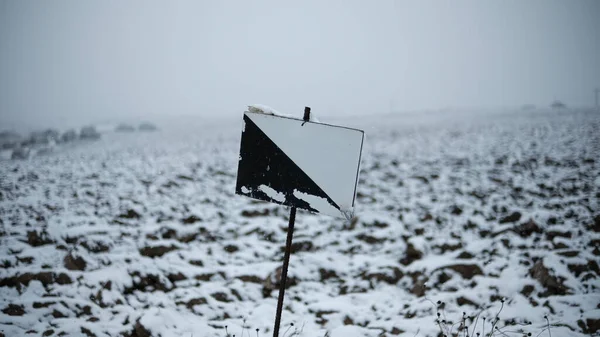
[(298, 163), (286, 262), (286, 256)]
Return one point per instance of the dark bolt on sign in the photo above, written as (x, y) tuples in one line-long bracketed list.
[(307, 165)]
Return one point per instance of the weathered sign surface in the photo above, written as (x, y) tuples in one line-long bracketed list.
[(308, 165)]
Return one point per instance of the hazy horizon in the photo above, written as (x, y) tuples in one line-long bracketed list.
[(79, 62)]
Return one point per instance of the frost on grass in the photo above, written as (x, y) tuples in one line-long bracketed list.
[(146, 235)]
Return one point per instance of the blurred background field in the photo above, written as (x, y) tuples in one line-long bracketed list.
[(140, 233)]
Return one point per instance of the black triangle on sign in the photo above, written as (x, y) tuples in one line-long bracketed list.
[(262, 162)]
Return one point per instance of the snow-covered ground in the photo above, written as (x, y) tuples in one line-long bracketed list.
[(142, 234)]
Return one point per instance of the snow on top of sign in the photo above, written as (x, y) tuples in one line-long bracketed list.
[(264, 109), (267, 110)]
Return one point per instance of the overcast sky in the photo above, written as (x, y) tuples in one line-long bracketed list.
[(92, 60)]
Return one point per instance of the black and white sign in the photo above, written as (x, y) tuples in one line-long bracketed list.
[(307, 165)]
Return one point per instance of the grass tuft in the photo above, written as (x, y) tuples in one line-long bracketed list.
[(469, 325)]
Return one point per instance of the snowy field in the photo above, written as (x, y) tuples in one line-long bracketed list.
[(142, 235)]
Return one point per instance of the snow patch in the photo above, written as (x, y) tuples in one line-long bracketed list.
[(352, 331), (271, 193)]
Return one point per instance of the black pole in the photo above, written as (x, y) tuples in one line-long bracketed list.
[(286, 262), (286, 256)]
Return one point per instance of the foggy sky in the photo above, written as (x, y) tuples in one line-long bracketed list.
[(102, 60)]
